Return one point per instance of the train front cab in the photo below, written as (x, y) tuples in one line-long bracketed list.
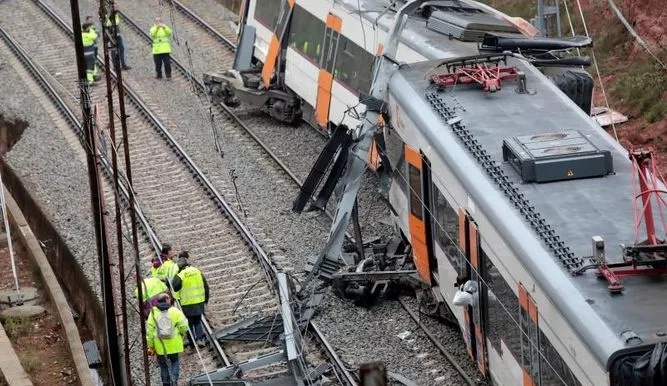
[(511, 330)]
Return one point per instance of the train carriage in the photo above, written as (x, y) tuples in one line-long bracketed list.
[(511, 197), (467, 193), (322, 52)]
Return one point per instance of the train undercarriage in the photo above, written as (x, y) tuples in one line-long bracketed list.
[(233, 87)]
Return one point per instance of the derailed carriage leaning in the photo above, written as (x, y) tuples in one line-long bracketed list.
[(511, 200)]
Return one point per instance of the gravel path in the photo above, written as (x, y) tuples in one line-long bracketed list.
[(220, 18)]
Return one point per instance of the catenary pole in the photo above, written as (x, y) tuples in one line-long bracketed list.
[(116, 184), (112, 350), (114, 38)]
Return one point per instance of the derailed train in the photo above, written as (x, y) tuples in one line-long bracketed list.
[(499, 178)]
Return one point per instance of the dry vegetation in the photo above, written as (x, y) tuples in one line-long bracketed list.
[(635, 83), (40, 344)]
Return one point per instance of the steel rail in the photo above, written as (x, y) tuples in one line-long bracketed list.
[(198, 20), (77, 127), (201, 88), (335, 360), (439, 345), (147, 229), (230, 45), (226, 209), (74, 123)]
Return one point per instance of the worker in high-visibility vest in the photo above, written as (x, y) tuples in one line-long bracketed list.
[(161, 35), (165, 327), (163, 266), (151, 288), (89, 37), (89, 24), (192, 291), (112, 24)]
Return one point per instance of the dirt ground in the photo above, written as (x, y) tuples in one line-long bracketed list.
[(40, 344), (635, 83), (626, 66)]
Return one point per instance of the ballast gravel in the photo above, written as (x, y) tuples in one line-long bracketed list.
[(267, 196), (50, 170)]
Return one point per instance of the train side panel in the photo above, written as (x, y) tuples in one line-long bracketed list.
[(358, 44), (556, 337), (301, 76), (341, 101)]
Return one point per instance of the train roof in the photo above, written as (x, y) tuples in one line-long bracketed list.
[(576, 209), (416, 34)]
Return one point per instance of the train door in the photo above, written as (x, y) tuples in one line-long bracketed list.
[(475, 316), (327, 63), (419, 176)]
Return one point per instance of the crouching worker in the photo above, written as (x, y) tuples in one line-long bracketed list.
[(165, 328), (150, 291), (192, 291)]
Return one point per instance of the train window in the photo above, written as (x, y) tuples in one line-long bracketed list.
[(267, 13), (529, 336), (306, 33), (401, 169), (526, 341), (415, 191), (502, 323), (283, 17), (447, 230), (394, 146), (553, 369), (354, 66)]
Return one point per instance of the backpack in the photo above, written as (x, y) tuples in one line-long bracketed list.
[(165, 326)]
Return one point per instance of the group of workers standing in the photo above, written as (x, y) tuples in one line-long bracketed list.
[(169, 284), (161, 45)]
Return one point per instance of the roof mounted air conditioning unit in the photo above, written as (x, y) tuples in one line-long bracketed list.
[(556, 157)]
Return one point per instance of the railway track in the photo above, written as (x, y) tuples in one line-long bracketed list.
[(162, 211), (182, 6), (217, 221)]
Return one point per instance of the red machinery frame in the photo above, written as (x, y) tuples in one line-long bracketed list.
[(489, 77), (648, 257)]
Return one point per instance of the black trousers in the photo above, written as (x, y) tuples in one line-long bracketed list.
[(159, 59)]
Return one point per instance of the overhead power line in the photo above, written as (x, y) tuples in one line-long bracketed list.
[(634, 33)]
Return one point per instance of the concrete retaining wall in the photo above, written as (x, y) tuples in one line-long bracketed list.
[(61, 266), (11, 371)]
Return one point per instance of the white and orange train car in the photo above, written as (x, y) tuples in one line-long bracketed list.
[(314, 59), (511, 192)]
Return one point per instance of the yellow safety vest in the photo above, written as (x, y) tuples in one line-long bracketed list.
[(164, 346), (108, 21), (161, 40), (167, 270), (89, 37), (151, 287), (192, 291)]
